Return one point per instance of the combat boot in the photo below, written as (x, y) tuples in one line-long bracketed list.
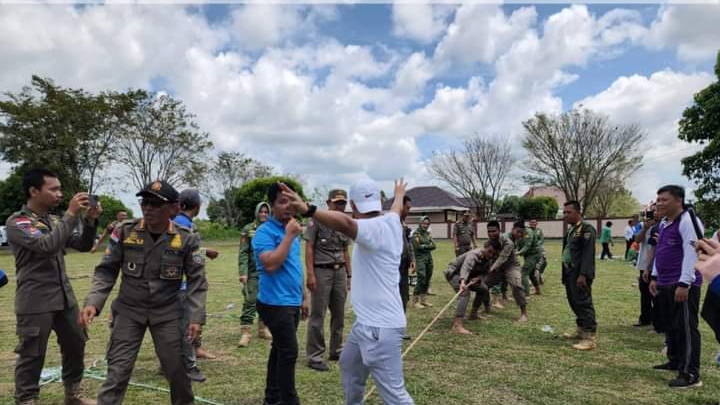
[(416, 302), (459, 328), (245, 336), (263, 331), (424, 301), (72, 395), (588, 342), (574, 336)]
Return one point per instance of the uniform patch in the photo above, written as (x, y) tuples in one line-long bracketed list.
[(133, 239), (198, 257), (176, 242), (251, 233), (587, 235)]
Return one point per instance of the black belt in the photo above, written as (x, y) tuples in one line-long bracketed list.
[(334, 266)]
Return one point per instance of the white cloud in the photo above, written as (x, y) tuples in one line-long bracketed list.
[(656, 103), (691, 29), (479, 33), (421, 22)]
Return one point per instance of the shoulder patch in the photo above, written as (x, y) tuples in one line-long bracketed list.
[(587, 235), (176, 242), (198, 257)]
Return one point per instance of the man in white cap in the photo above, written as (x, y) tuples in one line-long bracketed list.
[(375, 342)]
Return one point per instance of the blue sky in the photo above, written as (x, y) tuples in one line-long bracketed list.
[(335, 93)]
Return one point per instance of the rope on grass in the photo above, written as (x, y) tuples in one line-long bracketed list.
[(420, 336)]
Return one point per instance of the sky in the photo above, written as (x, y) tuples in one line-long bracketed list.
[(340, 92)]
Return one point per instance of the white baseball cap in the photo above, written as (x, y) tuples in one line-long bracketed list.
[(366, 196)]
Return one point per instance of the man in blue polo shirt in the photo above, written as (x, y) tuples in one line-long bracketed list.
[(281, 296)]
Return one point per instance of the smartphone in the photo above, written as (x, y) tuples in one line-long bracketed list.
[(649, 214), (94, 200)]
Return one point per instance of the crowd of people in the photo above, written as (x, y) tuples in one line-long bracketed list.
[(164, 286)]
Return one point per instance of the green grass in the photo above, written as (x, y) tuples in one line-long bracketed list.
[(501, 363)]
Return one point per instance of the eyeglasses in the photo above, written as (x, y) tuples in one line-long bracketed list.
[(152, 202)]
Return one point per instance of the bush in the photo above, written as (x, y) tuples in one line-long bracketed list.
[(209, 230), (253, 192)]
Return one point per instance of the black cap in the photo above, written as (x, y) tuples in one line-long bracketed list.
[(160, 189)]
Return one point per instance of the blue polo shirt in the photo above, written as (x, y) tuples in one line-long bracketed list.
[(284, 286)]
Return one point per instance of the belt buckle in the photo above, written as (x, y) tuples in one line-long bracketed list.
[(336, 266)]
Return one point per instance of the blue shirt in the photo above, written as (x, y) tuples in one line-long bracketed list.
[(183, 220), (284, 286)]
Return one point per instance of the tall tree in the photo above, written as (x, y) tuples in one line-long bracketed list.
[(477, 172), (578, 150), (160, 141), (230, 170), (69, 131), (701, 123), (255, 191)]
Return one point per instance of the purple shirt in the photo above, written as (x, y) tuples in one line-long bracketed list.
[(675, 257)]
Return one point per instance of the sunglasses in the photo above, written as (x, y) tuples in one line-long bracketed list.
[(152, 202)]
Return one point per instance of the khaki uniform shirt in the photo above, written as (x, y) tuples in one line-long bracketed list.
[(38, 244), (329, 245), (152, 271)]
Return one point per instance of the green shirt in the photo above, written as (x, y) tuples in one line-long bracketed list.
[(605, 235)]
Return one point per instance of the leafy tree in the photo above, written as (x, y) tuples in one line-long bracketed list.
[(538, 208), (701, 123), (550, 207), (160, 141), (111, 206), (69, 131), (256, 191), (12, 196), (230, 170), (510, 205), (577, 150)]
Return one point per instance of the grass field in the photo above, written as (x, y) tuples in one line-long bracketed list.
[(501, 363)]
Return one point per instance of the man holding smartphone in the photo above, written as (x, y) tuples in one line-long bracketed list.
[(676, 286), (44, 300)]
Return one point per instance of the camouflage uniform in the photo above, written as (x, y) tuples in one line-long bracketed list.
[(423, 245), (246, 266)]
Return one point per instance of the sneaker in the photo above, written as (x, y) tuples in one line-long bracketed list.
[(666, 367), (686, 381), (318, 366), (195, 375)]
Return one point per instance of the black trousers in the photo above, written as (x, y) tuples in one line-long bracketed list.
[(404, 283), (33, 332), (711, 312), (280, 382), (605, 251), (646, 302), (580, 300), (628, 243), (680, 320)]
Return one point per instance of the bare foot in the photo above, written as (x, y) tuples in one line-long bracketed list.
[(523, 319)]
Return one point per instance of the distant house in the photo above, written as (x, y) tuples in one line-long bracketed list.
[(441, 206)]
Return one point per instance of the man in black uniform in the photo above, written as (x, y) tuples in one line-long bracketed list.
[(578, 272)]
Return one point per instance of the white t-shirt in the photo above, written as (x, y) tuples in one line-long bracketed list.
[(376, 275)]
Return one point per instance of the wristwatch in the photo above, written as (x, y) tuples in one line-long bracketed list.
[(310, 212)]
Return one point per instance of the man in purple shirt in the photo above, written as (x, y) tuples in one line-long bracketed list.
[(676, 285)]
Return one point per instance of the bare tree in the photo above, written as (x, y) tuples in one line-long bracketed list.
[(230, 170), (577, 151), (478, 172), (160, 141)]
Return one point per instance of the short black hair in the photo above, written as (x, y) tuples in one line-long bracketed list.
[(494, 243), (274, 192), (35, 178), (675, 191), (519, 224), (494, 223), (608, 223), (574, 204), (630, 221), (406, 199)]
